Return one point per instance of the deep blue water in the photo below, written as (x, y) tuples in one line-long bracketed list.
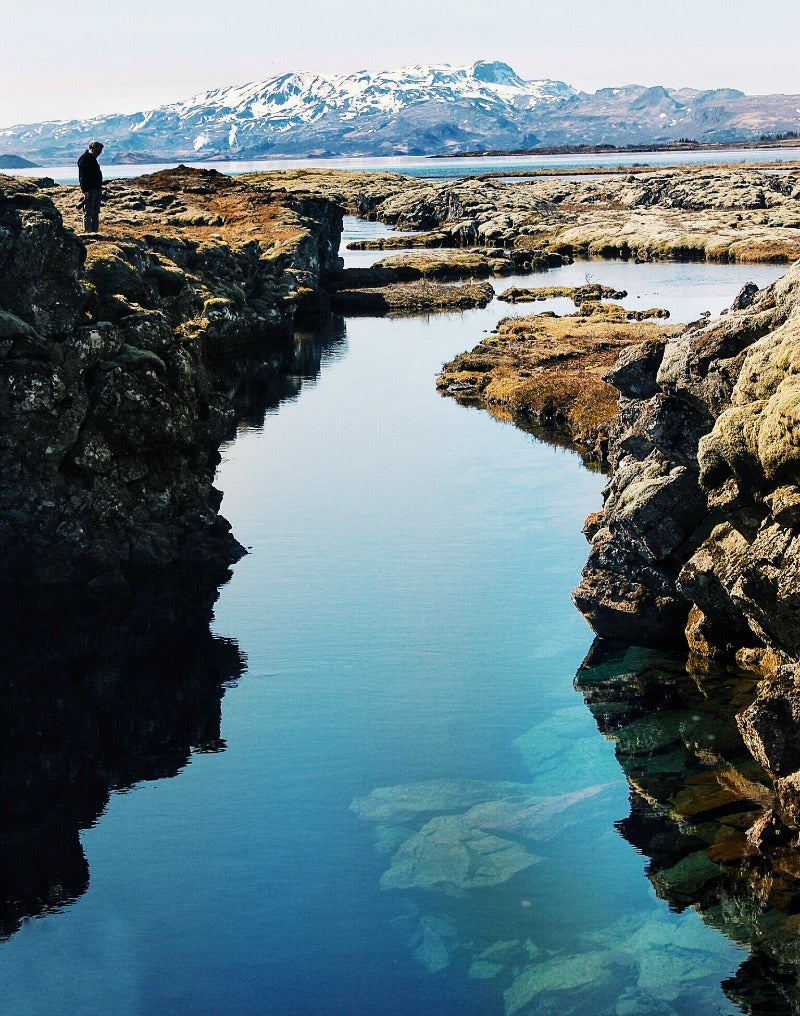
[(408, 701)]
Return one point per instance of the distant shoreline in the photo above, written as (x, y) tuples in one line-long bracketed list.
[(150, 162), (672, 146)]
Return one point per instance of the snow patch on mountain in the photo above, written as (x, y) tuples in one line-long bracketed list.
[(414, 110), (304, 97)]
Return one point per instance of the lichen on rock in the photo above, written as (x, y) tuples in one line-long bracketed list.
[(115, 361), (698, 543)]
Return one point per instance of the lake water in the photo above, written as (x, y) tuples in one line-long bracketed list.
[(423, 166), (409, 810)]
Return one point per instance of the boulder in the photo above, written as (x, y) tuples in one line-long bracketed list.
[(634, 373)]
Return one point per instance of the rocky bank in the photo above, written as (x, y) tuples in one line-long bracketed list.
[(719, 213), (120, 357), (548, 371), (704, 470), (698, 542)]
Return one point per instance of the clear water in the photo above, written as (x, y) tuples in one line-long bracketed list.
[(414, 810), (687, 290)]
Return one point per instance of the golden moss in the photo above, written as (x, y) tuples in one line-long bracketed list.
[(550, 370), (764, 250)]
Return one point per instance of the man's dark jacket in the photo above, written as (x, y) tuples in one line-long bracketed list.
[(90, 176)]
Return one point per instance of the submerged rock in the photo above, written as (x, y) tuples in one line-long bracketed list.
[(411, 801), (451, 853), (709, 821), (472, 834), (562, 754), (555, 975), (499, 956), (688, 878), (435, 943)]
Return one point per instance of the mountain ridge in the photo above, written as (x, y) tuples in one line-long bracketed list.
[(415, 110)]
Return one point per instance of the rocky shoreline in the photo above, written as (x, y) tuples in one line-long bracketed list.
[(120, 357), (549, 371), (720, 213), (697, 544)]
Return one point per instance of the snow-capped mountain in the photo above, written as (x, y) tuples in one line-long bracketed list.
[(419, 110), (303, 98), (355, 113), (414, 110)]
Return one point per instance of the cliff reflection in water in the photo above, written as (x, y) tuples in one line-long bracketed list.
[(258, 384), (95, 700), (97, 695), (695, 792)]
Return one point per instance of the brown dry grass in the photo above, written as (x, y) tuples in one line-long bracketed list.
[(550, 370), (195, 205)]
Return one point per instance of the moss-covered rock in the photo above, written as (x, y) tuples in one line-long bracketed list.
[(549, 370), (118, 356)]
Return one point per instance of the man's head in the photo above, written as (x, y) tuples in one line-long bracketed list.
[(95, 147)]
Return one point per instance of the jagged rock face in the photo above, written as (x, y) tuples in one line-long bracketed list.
[(113, 402), (698, 543), (40, 264), (750, 467), (700, 510)]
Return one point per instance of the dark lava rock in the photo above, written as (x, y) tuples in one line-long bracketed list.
[(115, 372)]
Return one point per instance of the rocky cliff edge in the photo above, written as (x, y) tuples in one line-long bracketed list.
[(698, 541), (117, 352)]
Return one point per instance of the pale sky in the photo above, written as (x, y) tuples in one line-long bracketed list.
[(63, 61)]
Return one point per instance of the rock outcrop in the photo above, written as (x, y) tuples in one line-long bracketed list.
[(402, 298), (700, 213), (549, 371), (698, 543), (118, 357), (698, 526)]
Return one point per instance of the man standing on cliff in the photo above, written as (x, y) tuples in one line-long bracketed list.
[(90, 178)]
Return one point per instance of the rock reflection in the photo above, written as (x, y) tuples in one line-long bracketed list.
[(696, 797), (257, 385), (96, 698), (97, 695)]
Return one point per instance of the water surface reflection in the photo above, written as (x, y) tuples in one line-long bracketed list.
[(96, 698), (695, 791), (97, 695)]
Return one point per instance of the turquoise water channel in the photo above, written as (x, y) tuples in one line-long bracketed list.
[(410, 810)]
